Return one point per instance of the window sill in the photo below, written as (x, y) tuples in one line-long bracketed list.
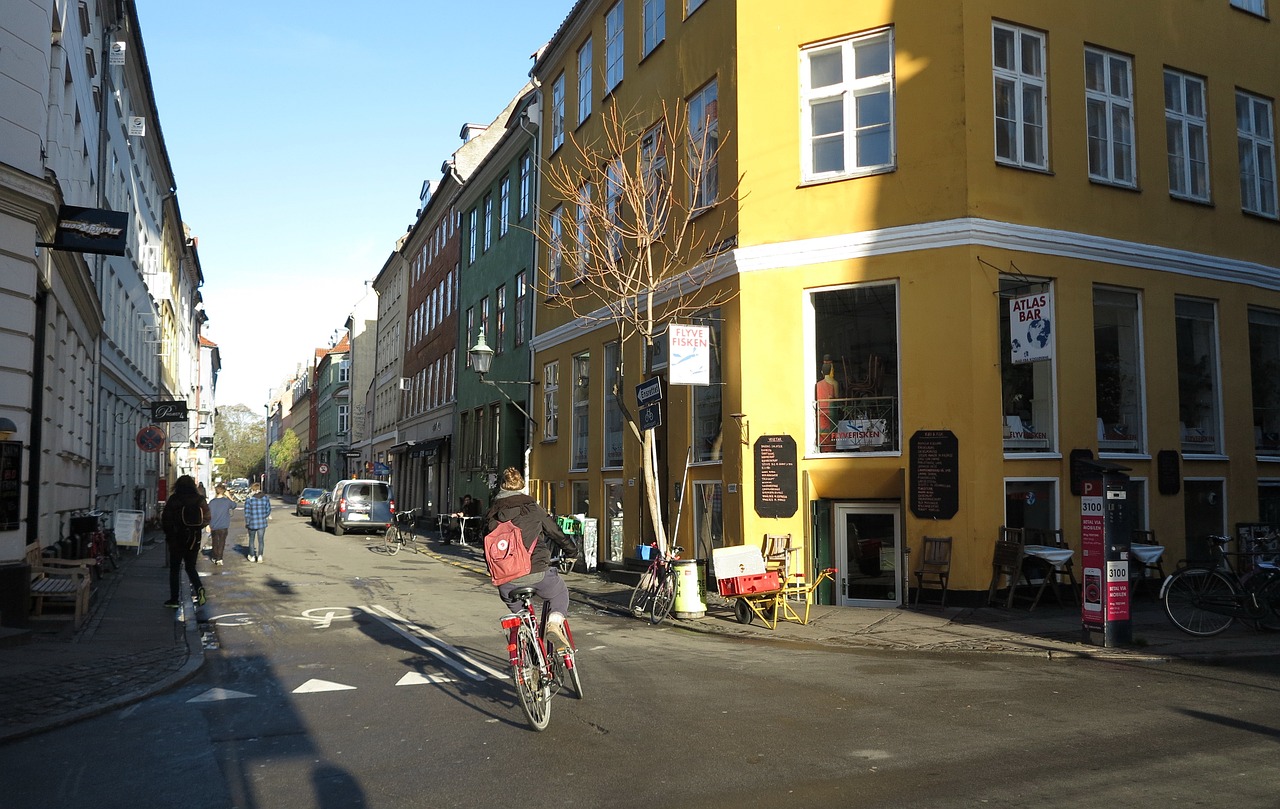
[(1009, 164), (807, 182), (1024, 455)]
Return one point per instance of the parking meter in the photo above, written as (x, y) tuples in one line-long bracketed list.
[(1106, 527)]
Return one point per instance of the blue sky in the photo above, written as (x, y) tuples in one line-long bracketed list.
[(300, 133)]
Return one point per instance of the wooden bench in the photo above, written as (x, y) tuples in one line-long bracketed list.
[(59, 581)]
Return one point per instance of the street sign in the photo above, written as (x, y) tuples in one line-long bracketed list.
[(324, 468), (219, 461), (355, 453), (169, 411), (151, 438), (651, 416), (649, 391)]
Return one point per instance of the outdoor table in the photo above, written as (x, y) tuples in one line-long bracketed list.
[(1059, 560)]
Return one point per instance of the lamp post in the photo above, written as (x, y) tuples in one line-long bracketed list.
[(482, 360)]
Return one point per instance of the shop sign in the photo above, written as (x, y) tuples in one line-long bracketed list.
[(852, 434), (1031, 327)]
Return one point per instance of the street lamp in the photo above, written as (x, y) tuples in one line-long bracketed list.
[(482, 360)]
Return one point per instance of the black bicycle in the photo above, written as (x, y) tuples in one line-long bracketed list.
[(400, 533), (1206, 598), (656, 591)]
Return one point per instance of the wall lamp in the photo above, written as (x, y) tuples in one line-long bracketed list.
[(7, 428), (744, 427), (481, 356)]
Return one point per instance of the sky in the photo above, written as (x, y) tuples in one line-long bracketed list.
[(300, 133)]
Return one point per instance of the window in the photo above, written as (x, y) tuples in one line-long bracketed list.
[(473, 232), (551, 401), (557, 112), (582, 234), (1255, 135), (488, 222), (1195, 324), (579, 498), (1258, 7), (1264, 370), (1117, 363), (555, 250), (613, 207), (495, 435), (704, 143), (708, 420), (854, 351), (1020, 106), (584, 81), (344, 419), (655, 23), (484, 316), (708, 517), (480, 447), (504, 206), (613, 424), (500, 319), (692, 6), (522, 306), (471, 329), (1031, 503), (1108, 88), (344, 371), (465, 435), (526, 184), (847, 107), (613, 47), (1027, 393), (581, 409), (657, 181), (1187, 136)]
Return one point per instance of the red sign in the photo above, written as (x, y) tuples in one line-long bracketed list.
[(1092, 542), (151, 438)]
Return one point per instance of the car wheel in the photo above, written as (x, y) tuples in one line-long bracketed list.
[(338, 530)]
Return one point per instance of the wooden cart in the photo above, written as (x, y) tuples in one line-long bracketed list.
[(769, 598)]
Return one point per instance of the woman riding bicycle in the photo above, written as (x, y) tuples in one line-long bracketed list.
[(511, 504)]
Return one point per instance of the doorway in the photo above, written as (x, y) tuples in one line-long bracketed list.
[(868, 545)]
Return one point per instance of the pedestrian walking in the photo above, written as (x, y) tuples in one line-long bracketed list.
[(257, 513), (185, 515), (220, 508)]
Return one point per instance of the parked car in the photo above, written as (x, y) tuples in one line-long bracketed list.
[(359, 505), (239, 489), (317, 510), (306, 501)]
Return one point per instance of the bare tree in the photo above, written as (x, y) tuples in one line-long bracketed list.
[(628, 244)]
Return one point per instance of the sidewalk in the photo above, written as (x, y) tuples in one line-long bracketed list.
[(130, 647)]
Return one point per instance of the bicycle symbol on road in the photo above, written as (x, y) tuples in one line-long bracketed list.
[(318, 617)]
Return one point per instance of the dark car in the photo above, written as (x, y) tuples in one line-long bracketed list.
[(306, 501), (359, 505), (317, 510)]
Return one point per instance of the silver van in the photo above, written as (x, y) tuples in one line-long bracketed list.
[(359, 505)]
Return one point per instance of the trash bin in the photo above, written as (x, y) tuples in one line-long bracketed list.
[(15, 594), (688, 596)]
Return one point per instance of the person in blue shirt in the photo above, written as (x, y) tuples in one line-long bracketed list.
[(257, 513)]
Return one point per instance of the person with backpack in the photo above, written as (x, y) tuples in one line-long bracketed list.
[(185, 515), (513, 509)]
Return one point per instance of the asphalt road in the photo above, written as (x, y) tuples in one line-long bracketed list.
[(343, 677)]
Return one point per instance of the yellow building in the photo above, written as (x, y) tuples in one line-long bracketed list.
[(952, 244)]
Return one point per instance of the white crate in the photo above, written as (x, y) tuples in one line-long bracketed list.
[(737, 560)]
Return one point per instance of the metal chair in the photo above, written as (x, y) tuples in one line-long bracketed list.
[(935, 565)]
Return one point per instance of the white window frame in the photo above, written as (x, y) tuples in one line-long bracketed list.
[(555, 250), (582, 233), (614, 47), (504, 206), (473, 233), (551, 401), (581, 433), (848, 91), (654, 13), (521, 304), (1191, 129), (1026, 80), (1109, 121), (557, 112), (584, 81), (526, 184), (1255, 136), (344, 419), (613, 207), (704, 140), (488, 222)]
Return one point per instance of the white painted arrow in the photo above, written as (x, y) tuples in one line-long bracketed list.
[(313, 686), (219, 694), (414, 678)]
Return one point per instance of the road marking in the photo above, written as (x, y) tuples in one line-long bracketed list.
[(315, 686), (414, 678), (219, 694), (433, 645), (232, 619), (322, 617)]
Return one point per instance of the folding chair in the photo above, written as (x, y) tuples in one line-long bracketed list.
[(1006, 560), (935, 565)]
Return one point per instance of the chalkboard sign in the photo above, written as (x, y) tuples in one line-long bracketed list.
[(935, 474), (777, 481)]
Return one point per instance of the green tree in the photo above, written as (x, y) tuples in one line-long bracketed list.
[(285, 451), (239, 434)]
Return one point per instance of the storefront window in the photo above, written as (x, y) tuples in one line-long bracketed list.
[(614, 518), (708, 428), (580, 504), (1031, 504), (1195, 322), (1117, 361), (855, 347), (1264, 369), (1027, 386)]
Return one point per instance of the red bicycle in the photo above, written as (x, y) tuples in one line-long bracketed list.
[(537, 671)]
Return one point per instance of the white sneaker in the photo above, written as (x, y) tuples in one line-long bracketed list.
[(554, 632), (217, 561), (252, 558), (258, 558)]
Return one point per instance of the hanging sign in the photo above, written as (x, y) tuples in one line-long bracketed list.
[(137, 126), (169, 411), (690, 354), (89, 230), (1031, 327), (117, 54)]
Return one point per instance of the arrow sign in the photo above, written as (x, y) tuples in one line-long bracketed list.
[(649, 391), (314, 686)]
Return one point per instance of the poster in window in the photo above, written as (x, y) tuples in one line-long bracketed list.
[(1031, 327)]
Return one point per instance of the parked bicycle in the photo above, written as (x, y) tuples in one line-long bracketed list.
[(656, 591), (537, 670), (1206, 598), (400, 533), (92, 538)]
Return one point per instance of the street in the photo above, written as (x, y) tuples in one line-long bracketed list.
[(337, 676)]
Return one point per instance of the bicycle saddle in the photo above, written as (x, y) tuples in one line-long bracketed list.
[(522, 592)]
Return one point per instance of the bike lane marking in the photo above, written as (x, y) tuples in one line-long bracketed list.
[(434, 646)]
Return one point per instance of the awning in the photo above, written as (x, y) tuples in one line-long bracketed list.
[(420, 449)]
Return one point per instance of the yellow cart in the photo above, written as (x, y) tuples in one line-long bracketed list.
[(761, 596)]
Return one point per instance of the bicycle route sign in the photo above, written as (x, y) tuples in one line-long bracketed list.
[(151, 438)]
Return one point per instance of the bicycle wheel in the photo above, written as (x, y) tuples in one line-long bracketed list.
[(391, 540), (1269, 599), (642, 595), (664, 595), (1199, 601), (534, 692)]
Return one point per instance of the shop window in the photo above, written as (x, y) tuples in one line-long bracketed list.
[(854, 400), (1117, 362), (580, 502), (708, 418), (1264, 370), (1269, 502), (1031, 503), (1027, 384), (1204, 515), (1195, 323)]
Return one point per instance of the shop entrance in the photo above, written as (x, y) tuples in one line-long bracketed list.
[(868, 554)]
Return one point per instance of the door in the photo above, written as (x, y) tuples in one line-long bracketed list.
[(868, 554)]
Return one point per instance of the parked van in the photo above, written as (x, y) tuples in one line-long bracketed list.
[(359, 505)]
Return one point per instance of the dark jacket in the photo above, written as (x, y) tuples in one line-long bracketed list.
[(175, 530), (534, 522)]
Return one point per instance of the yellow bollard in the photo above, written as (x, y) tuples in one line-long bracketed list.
[(688, 596)]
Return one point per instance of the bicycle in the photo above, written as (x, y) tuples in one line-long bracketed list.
[(1206, 598), (400, 533), (537, 672), (656, 591)]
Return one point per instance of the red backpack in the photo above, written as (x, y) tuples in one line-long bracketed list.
[(506, 555)]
